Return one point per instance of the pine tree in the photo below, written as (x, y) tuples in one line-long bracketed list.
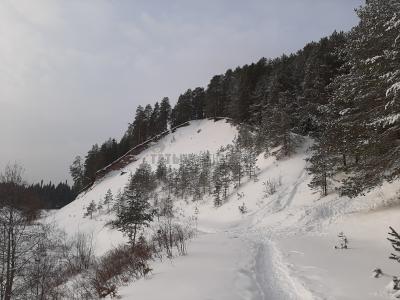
[(92, 164), (215, 98), (143, 178), (161, 172), (91, 209), (278, 124), (198, 103), (236, 161), (137, 131), (204, 180), (108, 199), (217, 192), (246, 148), (165, 114), (183, 110), (135, 214), (366, 100), (153, 126), (77, 173), (321, 165), (222, 176)]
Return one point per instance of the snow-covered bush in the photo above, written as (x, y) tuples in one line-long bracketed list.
[(119, 266), (171, 235), (343, 241), (271, 186), (79, 253), (242, 209)]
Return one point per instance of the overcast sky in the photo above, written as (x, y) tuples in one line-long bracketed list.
[(72, 72)]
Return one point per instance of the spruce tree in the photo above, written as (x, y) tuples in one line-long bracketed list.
[(164, 115), (77, 173), (322, 163), (108, 199), (366, 100), (135, 210), (161, 172), (91, 209)]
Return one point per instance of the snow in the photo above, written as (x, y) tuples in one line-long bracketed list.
[(394, 88), (201, 135), (283, 248)]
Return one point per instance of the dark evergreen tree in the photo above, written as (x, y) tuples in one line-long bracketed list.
[(165, 114), (135, 212), (204, 180), (183, 110), (222, 176), (154, 128), (198, 103), (108, 199), (321, 165), (77, 173), (161, 172), (363, 102), (91, 209), (92, 164), (215, 99)]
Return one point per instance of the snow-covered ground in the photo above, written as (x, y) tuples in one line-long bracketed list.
[(283, 248)]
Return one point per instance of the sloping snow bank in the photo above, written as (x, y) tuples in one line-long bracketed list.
[(199, 136), (283, 248)]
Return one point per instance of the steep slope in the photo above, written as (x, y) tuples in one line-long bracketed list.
[(199, 136), (282, 248)]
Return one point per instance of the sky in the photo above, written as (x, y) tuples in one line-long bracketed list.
[(72, 72)]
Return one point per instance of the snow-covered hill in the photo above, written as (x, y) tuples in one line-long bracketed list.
[(282, 248), (199, 136)]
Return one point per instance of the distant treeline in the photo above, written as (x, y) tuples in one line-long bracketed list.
[(40, 196)]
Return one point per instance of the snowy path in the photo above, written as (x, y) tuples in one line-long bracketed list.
[(220, 266), (209, 272)]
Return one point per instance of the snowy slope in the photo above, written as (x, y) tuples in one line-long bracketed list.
[(283, 248), (199, 136)]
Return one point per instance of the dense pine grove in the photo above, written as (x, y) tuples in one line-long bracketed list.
[(343, 91), (41, 195)]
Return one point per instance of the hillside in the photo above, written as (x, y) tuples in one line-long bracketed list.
[(199, 136), (282, 248)]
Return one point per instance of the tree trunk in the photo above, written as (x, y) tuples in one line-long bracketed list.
[(134, 235)]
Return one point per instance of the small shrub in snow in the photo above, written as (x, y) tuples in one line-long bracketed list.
[(170, 235), (343, 241), (79, 253), (394, 286), (243, 209), (240, 196), (395, 240), (119, 266), (271, 186), (377, 273)]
